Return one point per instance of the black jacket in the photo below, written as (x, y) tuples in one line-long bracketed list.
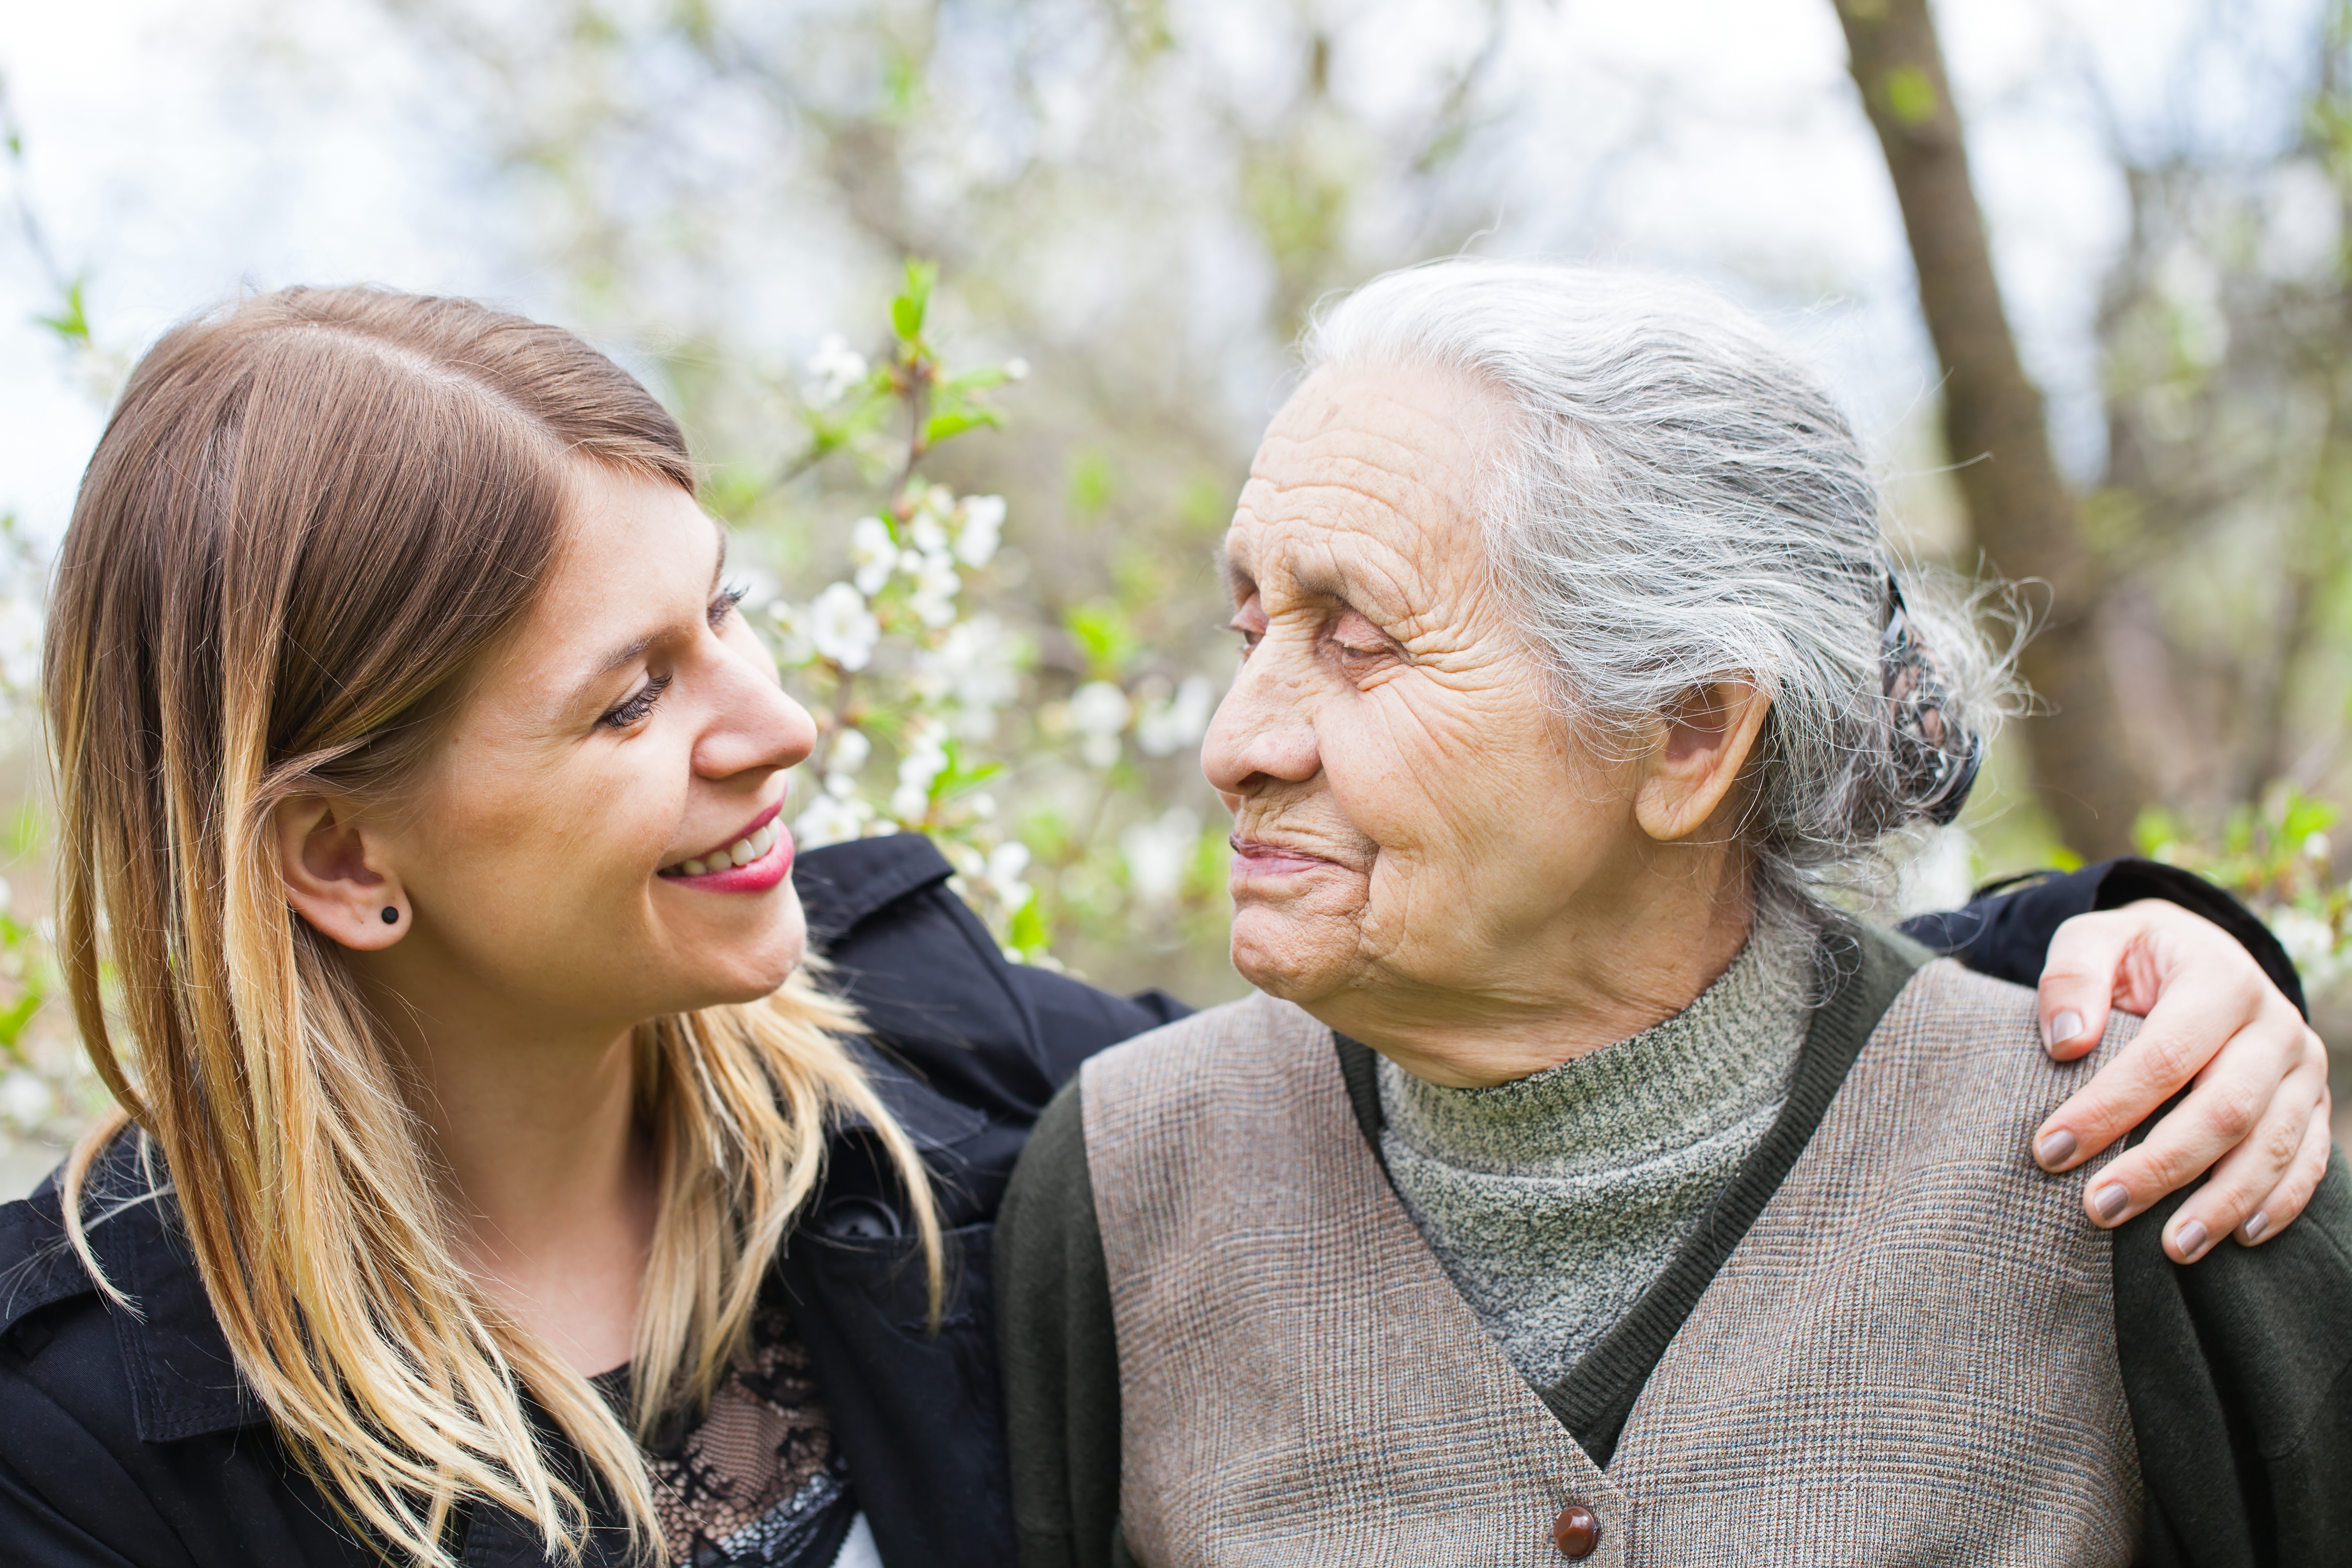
[(125, 1439)]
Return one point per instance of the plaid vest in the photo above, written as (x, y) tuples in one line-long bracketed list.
[(1909, 1358)]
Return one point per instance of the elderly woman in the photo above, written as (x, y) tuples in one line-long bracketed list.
[(1582, 1182)]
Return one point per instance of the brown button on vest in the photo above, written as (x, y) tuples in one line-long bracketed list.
[(1915, 1337)]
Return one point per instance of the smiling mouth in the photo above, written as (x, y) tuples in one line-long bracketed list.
[(753, 844), (1265, 857)]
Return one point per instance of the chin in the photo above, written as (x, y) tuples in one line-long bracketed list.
[(1285, 957), (753, 967)]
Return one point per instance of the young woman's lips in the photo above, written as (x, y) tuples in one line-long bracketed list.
[(767, 843)]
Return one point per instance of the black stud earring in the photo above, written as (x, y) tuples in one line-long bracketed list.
[(391, 915)]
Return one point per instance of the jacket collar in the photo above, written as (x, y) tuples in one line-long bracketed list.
[(183, 1381)]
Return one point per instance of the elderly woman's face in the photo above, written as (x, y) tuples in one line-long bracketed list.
[(1417, 835), (1404, 801)]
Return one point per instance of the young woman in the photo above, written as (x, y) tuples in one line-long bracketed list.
[(489, 1186)]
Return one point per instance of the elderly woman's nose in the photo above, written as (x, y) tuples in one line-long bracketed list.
[(1260, 732)]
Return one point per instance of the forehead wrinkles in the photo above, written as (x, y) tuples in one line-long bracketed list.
[(1375, 518)]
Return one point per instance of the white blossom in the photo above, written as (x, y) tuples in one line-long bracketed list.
[(842, 628), (2310, 943), (873, 552), (1099, 711), (830, 819), (837, 367), (1163, 729), (794, 648), (1016, 369), (26, 1099), (1006, 863), (2316, 846), (935, 585), (925, 759), (20, 645), (850, 749), (1158, 854), (983, 530), (976, 669)]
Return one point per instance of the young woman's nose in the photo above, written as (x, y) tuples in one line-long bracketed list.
[(754, 724), (1261, 733)]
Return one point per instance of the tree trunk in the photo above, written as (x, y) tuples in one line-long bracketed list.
[(2022, 513)]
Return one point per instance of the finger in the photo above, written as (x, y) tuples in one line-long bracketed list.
[(2078, 979), (2245, 1175), (2283, 1205), (2179, 1037), (2217, 1115)]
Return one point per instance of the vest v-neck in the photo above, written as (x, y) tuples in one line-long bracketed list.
[(1599, 1392)]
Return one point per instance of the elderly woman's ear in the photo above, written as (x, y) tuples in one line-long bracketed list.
[(1701, 746)]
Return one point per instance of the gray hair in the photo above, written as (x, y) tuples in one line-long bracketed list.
[(1673, 501)]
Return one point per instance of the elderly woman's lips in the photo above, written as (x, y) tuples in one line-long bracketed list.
[(1256, 856)]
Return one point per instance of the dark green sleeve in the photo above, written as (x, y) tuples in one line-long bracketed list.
[(2239, 1373), (1059, 1357)]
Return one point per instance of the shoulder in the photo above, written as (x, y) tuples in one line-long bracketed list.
[(1208, 1055), (1962, 1022), (935, 989), (38, 1267)]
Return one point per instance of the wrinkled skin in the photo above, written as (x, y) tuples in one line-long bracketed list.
[(1428, 859)]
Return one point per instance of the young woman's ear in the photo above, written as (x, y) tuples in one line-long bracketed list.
[(336, 875)]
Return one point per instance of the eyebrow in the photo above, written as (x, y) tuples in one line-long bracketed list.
[(631, 652)]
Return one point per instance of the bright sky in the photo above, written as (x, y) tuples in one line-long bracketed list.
[(184, 158)]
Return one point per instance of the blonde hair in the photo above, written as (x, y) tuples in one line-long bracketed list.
[(309, 514)]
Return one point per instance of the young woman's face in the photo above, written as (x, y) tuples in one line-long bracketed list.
[(597, 838)]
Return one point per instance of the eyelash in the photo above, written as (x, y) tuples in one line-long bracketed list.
[(632, 712)]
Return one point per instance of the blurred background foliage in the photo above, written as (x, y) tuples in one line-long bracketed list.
[(974, 308)]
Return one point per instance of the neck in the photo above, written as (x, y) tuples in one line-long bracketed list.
[(550, 1179), (1606, 967)]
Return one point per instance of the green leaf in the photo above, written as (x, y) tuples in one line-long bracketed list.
[(71, 324), (914, 301), (12, 1021), (1100, 628), (1911, 95), (1028, 934), (1092, 480), (950, 422)]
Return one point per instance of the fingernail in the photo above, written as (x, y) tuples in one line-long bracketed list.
[(2190, 1240), (2055, 1149), (2256, 1225), (2066, 1027), (2111, 1200)]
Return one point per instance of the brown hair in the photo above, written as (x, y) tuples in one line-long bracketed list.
[(308, 515)]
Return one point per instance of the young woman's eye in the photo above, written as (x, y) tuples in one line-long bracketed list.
[(729, 597), (632, 712)]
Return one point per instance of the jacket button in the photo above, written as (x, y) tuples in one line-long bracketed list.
[(1575, 1532)]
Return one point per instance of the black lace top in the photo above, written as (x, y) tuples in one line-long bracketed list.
[(758, 1482)]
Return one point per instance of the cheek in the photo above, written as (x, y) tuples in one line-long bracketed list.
[(541, 853), (1418, 766)]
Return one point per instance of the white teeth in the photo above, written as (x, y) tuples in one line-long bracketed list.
[(742, 852)]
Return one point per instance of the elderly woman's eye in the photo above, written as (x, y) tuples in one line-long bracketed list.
[(1250, 621)]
